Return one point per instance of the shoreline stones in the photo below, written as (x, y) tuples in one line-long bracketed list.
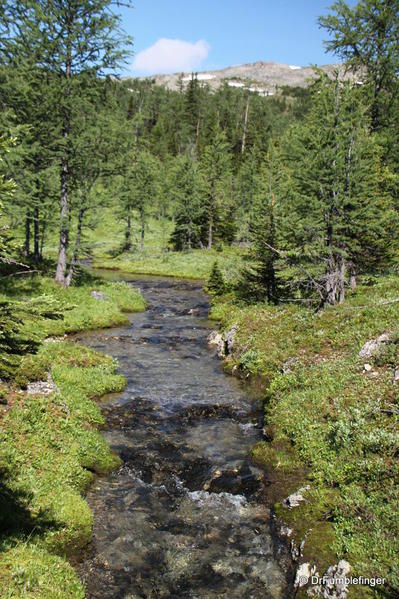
[(295, 499), (224, 342)]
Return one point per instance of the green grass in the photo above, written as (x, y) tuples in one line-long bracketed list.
[(105, 239), (51, 448), (332, 422), (196, 264)]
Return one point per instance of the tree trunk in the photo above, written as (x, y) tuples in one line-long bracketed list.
[(352, 276), (36, 236), (64, 228), (64, 233), (75, 256), (128, 234), (42, 238), (197, 134), (244, 133), (27, 233), (210, 233), (332, 278), (341, 290), (142, 230)]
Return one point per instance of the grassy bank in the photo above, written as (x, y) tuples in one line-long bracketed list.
[(104, 241), (50, 445), (331, 424), (196, 264)]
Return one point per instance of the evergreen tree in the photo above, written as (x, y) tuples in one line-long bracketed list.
[(138, 191), (260, 279), (185, 185), (216, 284), (367, 36), (72, 42), (338, 216), (216, 170)]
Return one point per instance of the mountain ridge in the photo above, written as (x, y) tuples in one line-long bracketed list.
[(262, 77)]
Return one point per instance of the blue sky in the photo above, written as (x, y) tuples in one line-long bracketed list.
[(175, 35)]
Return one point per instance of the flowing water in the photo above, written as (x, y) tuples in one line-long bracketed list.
[(183, 516)]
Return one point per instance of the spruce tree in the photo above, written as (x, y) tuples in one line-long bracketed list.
[(216, 284), (367, 36), (338, 218), (216, 170), (72, 42), (260, 278), (184, 187)]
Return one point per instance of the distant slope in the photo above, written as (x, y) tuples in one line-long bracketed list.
[(261, 77)]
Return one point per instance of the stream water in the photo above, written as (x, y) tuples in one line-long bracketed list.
[(182, 517)]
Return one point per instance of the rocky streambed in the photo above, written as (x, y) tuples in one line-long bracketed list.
[(183, 516)]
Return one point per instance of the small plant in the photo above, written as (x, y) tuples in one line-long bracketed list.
[(216, 284)]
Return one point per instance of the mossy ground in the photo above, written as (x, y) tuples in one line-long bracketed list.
[(50, 445), (330, 422)]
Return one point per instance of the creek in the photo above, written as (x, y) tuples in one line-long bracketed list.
[(183, 516)]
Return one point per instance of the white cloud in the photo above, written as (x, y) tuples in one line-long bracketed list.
[(171, 56)]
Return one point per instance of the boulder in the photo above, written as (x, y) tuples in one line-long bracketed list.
[(296, 498), (371, 348), (223, 341), (229, 339), (215, 339)]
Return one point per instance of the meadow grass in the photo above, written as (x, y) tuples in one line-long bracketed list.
[(50, 445), (196, 264), (104, 242), (331, 421)]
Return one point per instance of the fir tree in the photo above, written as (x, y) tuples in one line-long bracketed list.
[(338, 217), (216, 284), (185, 185)]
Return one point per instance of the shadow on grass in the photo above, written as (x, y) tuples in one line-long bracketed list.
[(16, 520)]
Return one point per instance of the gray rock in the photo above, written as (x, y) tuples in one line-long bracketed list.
[(99, 295), (396, 375), (333, 584), (296, 498), (215, 339), (43, 387), (224, 342), (55, 339), (229, 339), (371, 348), (303, 574)]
